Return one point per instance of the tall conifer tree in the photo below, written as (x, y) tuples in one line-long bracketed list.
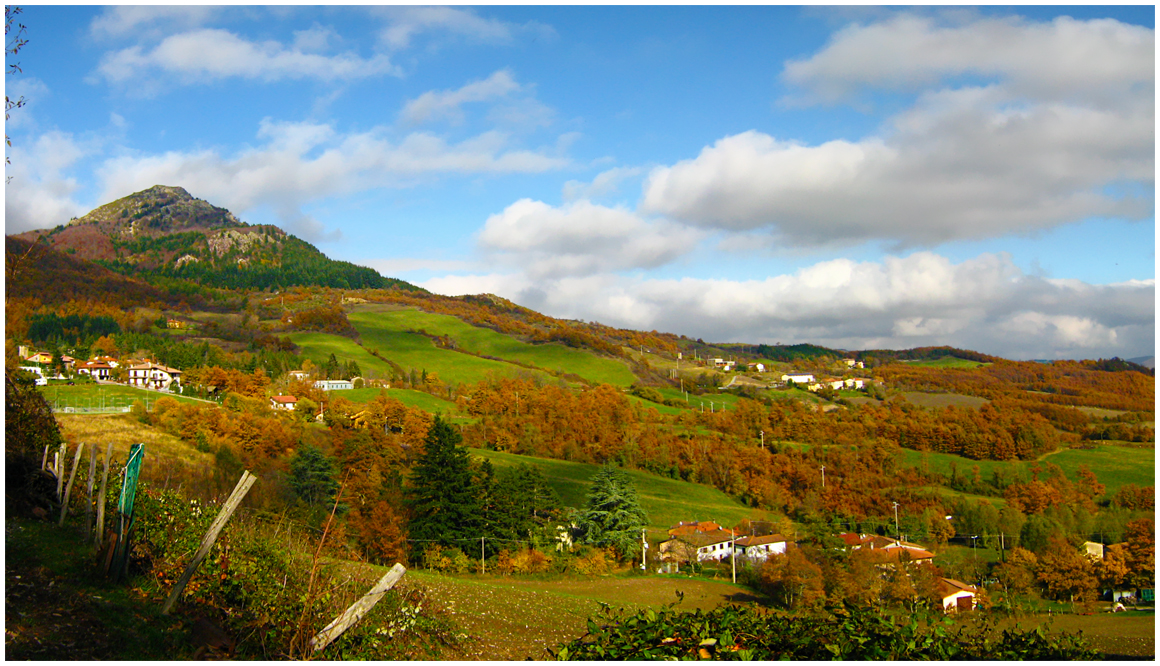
[(442, 497), (613, 517)]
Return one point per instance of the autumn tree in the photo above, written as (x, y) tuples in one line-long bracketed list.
[(792, 579), (1140, 552), (1065, 573)]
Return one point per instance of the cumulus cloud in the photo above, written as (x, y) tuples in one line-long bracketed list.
[(605, 183), (298, 163), (405, 23), (581, 238), (149, 21), (209, 54), (1054, 60), (446, 104), (42, 194), (985, 303), (1047, 142)]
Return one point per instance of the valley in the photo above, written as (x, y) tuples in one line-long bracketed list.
[(370, 410)]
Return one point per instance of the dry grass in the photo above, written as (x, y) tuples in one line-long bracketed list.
[(169, 461), (1130, 634)]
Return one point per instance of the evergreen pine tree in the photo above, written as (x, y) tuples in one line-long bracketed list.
[(312, 475), (442, 497), (613, 517)]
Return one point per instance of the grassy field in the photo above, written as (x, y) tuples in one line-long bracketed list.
[(319, 346), (667, 501), (409, 397), (87, 395), (940, 400), (478, 340), (946, 362), (518, 618), (411, 350), (1114, 465)]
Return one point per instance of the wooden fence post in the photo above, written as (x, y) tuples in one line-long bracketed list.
[(358, 609), (210, 537), (58, 468), (44, 460), (100, 534), (89, 491), (71, 477)]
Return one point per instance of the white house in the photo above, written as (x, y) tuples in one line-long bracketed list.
[(333, 384), (283, 402), (759, 367), (153, 375), (95, 369), (956, 595), (798, 378), (298, 374), (759, 548)]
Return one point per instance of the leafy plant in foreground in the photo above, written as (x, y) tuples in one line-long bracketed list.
[(839, 633)]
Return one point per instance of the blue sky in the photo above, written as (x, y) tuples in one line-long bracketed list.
[(855, 177)]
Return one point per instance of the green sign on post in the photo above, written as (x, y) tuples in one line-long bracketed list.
[(125, 510)]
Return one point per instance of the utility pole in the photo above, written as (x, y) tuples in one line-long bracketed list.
[(733, 552), (763, 446), (482, 557), (896, 530), (824, 476), (643, 550)]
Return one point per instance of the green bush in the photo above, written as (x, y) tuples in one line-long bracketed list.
[(840, 633)]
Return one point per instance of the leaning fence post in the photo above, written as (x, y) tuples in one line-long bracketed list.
[(58, 468), (358, 609), (89, 491), (71, 477), (100, 533), (44, 460), (210, 537)]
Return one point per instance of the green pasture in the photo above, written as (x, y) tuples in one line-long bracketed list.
[(388, 334), (319, 346), (478, 340), (1114, 465), (90, 395), (940, 400), (946, 362), (667, 501), (411, 398)]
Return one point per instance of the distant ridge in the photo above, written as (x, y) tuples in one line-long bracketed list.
[(165, 233), (1146, 361)]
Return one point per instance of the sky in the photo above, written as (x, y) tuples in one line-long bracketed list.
[(856, 177)]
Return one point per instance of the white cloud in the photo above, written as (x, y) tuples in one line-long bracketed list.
[(41, 193), (141, 21), (581, 238), (303, 162), (394, 267), (445, 104), (210, 54), (1048, 142), (405, 23), (985, 303), (1055, 60), (605, 183)]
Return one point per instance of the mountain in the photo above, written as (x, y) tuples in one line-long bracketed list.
[(164, 233), (1146, 361)]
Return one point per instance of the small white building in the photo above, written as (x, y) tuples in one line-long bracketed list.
[(759, 367), (798, 378), (153, 375), (95, 369), (334, 384), (759, 548), (283, 402), (956, 595)]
